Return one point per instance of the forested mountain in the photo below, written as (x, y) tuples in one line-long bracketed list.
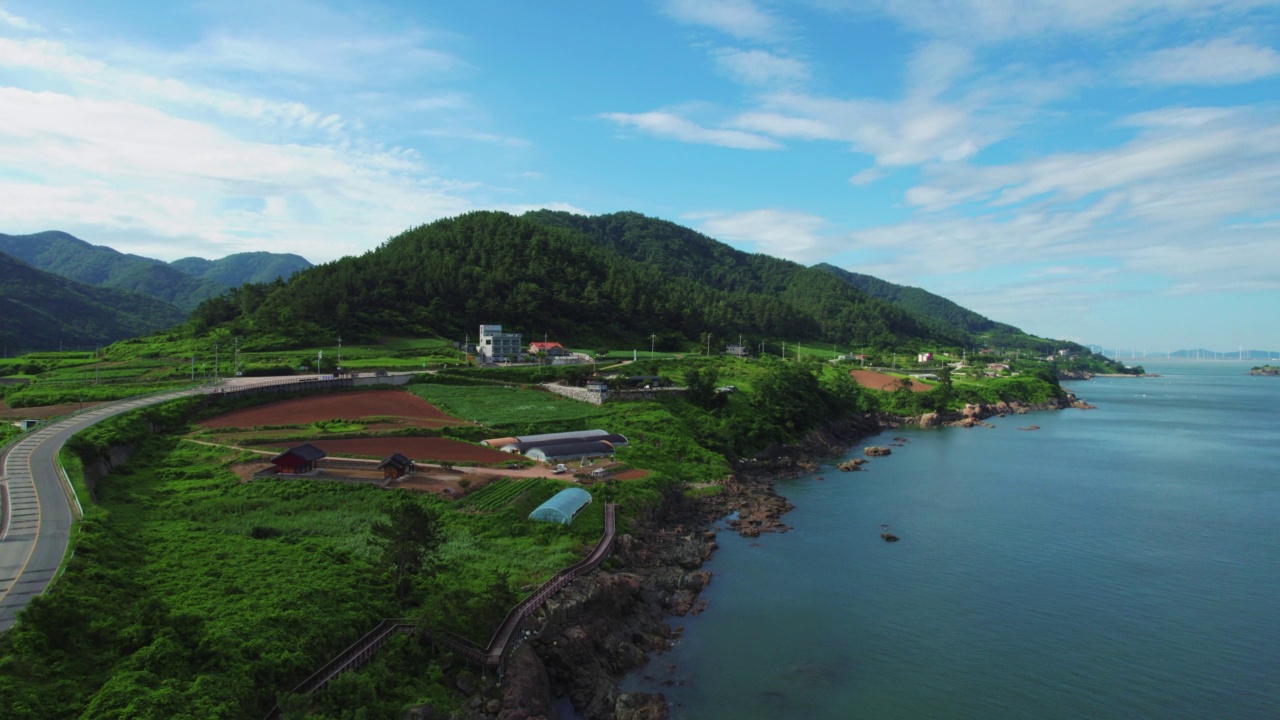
[(66, 255), (184, 283), (680, 252), (240, 268), (920, 302), (448, 277), (41, 311)]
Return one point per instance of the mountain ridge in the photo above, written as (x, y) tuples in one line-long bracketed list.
[(43, 311)]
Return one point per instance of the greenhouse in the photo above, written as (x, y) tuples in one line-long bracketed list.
[(563, 507)]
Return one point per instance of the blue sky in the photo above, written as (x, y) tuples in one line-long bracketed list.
[(1105, 171)]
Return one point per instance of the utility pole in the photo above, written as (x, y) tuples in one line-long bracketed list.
[(215, 362), (708, 344), (653, 339), (193, 368), (235, 364)]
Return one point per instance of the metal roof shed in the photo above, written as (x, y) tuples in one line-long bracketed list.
[(563, 507), (570, 451)]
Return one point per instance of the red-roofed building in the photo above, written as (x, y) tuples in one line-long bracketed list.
[(552, 349), (297, 460)]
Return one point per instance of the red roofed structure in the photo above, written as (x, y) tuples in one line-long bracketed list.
[(552, 349)]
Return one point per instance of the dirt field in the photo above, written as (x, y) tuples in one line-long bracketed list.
[(40, 413), (880, 381), (419, 449), (407, 408)]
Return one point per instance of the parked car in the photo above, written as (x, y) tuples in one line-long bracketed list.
[(560, 469)]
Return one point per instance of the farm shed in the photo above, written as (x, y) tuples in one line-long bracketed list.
[(563, 507), (396, 466), (570, 451), (296, 460), (613, 439), (574, 435)]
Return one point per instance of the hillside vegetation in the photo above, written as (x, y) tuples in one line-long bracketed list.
[(240, 268), (446, 278), (184, 283), (63, 254), (42, 310)]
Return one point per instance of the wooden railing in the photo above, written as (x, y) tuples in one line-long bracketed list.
[(491, 656)]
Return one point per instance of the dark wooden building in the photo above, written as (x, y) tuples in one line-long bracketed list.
[(396, 466), (297, 460)]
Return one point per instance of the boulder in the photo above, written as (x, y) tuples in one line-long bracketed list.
[(876, 451), (641, 706)]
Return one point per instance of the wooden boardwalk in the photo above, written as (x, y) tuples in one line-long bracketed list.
[(491, 656)]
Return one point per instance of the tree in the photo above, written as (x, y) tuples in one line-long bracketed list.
[(409, 539)]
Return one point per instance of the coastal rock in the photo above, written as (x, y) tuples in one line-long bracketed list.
[(876, 451), (851, 465), (929, 420), (1030, 427), (641, 706), (526, 690)]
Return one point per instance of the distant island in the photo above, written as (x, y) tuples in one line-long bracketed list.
[(1265, 370)]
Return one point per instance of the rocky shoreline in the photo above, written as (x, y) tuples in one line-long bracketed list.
[(605, 625)]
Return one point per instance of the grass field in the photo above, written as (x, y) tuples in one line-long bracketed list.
[(503, 405)]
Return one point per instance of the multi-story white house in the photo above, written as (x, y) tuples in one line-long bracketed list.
[(497, 346)]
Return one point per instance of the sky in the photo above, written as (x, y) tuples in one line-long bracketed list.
[(1103, 171)]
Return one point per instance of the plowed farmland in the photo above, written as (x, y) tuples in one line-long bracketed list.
[(404, 408), (881, 381), (420, 449)]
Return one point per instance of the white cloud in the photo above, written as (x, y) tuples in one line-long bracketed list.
[(759, 67), (123, 166), (895, 133), (1170, 203), (14, 21), (781, 233), (979, 21), (668, 125), (1214, 62), (739, 18)]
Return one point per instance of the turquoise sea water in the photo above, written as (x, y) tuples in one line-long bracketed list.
[(1122, 562)]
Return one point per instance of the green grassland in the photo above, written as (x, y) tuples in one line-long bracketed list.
[(191, 594)]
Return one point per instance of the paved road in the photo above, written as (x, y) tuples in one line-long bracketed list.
[(39, 509), (36, 523)]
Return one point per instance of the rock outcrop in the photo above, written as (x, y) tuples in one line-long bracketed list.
[(876, 451)]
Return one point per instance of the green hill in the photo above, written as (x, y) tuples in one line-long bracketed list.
[(448, 277), (679, 252), (41, 311), (920, 302), (66, 255), (240, 268)]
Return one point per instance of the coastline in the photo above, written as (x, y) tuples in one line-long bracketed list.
[(603, 627)]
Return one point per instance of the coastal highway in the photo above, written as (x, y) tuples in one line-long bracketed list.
[(40, 509)]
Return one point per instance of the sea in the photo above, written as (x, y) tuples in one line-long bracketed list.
[(1116, 563)]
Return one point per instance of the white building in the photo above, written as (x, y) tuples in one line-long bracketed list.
[(497, 346)]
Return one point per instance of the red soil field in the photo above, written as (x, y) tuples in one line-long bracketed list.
[(42, 412), (880, 381), (349, 406), (421, 449)]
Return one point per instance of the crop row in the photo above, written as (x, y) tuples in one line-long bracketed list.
[(498, 494)]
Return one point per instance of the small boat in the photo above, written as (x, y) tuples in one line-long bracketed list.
[(886, 535)]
